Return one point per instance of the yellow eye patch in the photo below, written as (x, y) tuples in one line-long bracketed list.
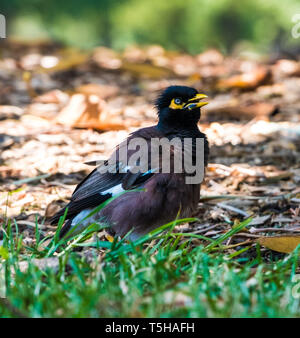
[(175, 105)]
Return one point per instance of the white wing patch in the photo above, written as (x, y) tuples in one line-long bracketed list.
[(113, 191), (80, 224), (80, 216), (117, 189)]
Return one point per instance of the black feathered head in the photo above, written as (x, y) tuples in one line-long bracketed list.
[(179, 106)]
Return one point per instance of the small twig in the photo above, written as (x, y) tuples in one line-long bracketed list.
[(234, 209), (235, 245), (229, 240), (30, 179), (201, 231), (58, 184), (243, 234), (279, 197), (220, 197), (32, 224), (254, 230)]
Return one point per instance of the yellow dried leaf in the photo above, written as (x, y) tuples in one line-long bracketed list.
[(109, 238), (146, 70), (249, 80), (285, 244)]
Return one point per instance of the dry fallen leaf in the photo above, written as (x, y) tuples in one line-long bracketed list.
[(146, 70), (246, 80), (106, 58), (238, 110), (103, 91), (68, 59), (55, 96), (285, 244), (286, 67), (51, 209), (210, 57), (90, 111)]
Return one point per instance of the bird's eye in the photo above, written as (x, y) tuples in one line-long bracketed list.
[(177, 101)]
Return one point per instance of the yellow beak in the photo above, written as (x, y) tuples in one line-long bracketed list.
[(195, 102)]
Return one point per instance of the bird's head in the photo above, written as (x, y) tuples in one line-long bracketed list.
[(179, 107)]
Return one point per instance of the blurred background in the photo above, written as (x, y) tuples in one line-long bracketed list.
[(184, 25), (77, 77)]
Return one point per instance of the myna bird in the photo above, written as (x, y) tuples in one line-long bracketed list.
[(145, 199)]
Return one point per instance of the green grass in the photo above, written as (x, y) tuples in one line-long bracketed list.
[(163, 274)]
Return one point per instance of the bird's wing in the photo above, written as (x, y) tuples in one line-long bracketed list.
[(102, 183), (97, 187)]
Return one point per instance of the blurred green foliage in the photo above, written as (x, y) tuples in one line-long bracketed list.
[(188, 25)]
